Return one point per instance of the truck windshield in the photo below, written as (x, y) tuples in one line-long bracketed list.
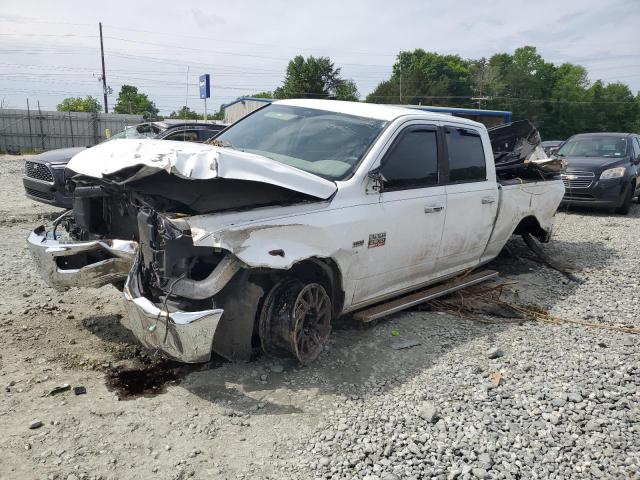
[(327, 144), (596, 146)]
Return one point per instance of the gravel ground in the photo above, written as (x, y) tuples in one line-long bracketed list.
[(566, 405)]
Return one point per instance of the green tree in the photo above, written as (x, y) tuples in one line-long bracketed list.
[(261, 95), (315, 77), (426, 78), (559, 99), (186, 113), (347, 91), (613, 108), (132, 101), (78, 104), (219, 115)]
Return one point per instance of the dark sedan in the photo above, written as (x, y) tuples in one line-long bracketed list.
[(44, 174), (602, 170)]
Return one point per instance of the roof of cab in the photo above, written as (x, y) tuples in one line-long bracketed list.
[(372, 110)]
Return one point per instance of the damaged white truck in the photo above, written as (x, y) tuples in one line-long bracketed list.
[(301, 212)]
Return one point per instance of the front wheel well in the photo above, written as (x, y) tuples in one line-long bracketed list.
[(326, 272)]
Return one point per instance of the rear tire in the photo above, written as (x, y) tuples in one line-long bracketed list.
[(625, 206)]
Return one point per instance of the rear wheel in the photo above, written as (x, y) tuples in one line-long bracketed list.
[(625, 206), (295, 319)]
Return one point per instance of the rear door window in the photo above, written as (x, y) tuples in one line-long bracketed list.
[(467, 162)]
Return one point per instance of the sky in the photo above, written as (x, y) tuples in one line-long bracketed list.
[(51, 50)]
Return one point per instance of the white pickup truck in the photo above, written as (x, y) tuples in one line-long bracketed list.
[(301, 212)]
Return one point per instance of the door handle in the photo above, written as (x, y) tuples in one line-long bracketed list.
[(487, 200), (433, 208)]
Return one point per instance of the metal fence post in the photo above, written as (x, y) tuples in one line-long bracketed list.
[(71, 128), (41, 128), (29, 120)]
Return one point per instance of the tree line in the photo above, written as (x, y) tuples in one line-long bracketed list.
[(559, 99)]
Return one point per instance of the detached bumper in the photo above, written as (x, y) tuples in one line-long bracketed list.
[(64, 264), (184, 336)]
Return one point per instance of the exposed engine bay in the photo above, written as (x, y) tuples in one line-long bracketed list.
[(149, 211)]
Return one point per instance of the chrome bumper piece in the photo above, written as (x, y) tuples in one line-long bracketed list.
[(93, 263), (184, 336)]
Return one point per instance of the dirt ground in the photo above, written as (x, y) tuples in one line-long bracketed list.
[(249, 420)]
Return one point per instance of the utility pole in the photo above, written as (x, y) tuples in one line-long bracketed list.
[(401, 80), (186, 96), (104, 75), (480, 97)]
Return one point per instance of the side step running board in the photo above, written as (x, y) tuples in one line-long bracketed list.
[(450, 286)]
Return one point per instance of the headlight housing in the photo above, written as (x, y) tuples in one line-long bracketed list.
[(612, 173)]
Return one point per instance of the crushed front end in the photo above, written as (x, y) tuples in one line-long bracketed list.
[(142, 245), (132, 204)]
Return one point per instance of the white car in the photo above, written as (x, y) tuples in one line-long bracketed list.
[(301, 212)]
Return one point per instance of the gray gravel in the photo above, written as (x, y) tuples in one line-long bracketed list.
[(569, 402), (566, 404)]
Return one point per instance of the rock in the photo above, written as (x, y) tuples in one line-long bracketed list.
[(574, 397), (554, 418), (80, 390), (485, 461), (389, 476), (480, 473), (413, 448), (35, 424), (428, 412), (276, 368), (629, 340), (494, 353), (324, 461), (387, 450)]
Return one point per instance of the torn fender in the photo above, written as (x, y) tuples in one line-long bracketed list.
[(127, 160), (273, 244)]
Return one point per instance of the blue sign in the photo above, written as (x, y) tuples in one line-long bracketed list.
[(205, 86)]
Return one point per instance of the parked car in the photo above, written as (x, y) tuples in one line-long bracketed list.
[(300, 212), (551, 147), (44, 174), (602, 170)]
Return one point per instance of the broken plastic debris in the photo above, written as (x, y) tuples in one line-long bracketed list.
[(60, 389), (399, 345), (395, 333), (496, 378)]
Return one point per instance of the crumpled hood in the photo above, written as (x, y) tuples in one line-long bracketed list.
[(193, 161)]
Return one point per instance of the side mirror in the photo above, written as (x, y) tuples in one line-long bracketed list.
[(377, 180)]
